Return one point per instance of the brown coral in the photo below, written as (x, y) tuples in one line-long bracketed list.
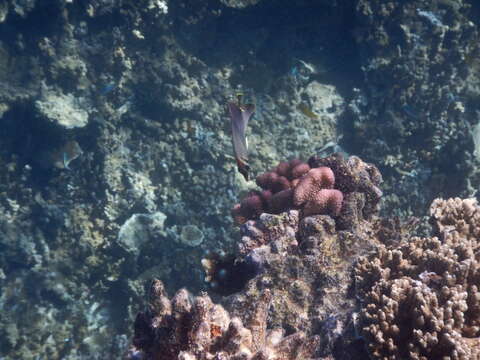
[(188, 328), (421, 299), (306, 264)]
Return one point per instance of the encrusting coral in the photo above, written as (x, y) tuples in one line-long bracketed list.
[(194, 328), (421, 299)]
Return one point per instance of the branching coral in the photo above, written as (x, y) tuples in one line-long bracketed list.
[(194, 328), (421, 299)]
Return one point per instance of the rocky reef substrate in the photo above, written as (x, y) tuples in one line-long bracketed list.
[(116, 160), (352, 286)]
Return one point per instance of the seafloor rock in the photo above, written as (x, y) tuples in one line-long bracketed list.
[(194, 328), (139, 229), (306, 266), (421, 299), (419, 59), (62, 109), (305, 261)]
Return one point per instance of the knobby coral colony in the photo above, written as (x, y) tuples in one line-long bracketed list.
[(315, 188), (409, 298), (191, 328), (195, 328), (307, 187), (421, 298)]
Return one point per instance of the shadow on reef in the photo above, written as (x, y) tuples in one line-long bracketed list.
[(30, 139), (475, 16), (227, 275), (35, 143), (270, 37), (29, 29)]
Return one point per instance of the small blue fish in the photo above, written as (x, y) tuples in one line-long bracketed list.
[(410, 111), (66, 154), (66, 160), (107, 88), (294, 72)]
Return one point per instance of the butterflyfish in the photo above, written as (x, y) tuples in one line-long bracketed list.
[(66, 154), (240, 114)]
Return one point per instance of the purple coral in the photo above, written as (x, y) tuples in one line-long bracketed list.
[(292, 185), (324, 201), (311, 183), (324, 186), (314, 191)]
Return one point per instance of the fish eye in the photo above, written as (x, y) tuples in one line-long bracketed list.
[(222, 274)]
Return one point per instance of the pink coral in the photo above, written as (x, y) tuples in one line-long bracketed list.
[(291, 185), (299, 170), (281, 201), (325, 201), (251, 206), (311, 183), (273, 181), (266, 180), (283, 168)]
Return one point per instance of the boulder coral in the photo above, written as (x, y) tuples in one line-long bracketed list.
[(421, 299)]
